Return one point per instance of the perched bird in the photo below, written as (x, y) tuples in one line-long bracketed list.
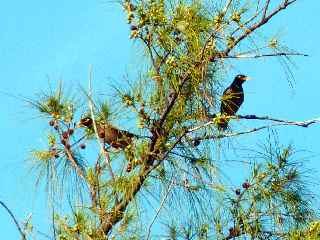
[(231, 100), (113, 136)]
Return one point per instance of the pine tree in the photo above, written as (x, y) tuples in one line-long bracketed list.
[(158, 176)]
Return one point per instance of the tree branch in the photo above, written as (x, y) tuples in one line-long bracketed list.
[(116, 214), (265, 9), (249, 20), (172, 101), (160, 207), (102, 148), (278, 122), (23, 235), (278, 54), (225, 9), (305, 123), (74, 162), (257, 25)]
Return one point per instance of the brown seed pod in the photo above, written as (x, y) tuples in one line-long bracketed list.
[(65, 135), (70, 131), (238, 192), (129, 167), (246, 185), (133, 27), (52, 123)]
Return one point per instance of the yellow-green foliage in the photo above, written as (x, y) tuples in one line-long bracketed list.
[(79, 225), (124, 184), (42, 155), (312, 232), (55, 105), (52, 140)]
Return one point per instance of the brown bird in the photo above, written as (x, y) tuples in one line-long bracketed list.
[(231, 100), (113, 136)]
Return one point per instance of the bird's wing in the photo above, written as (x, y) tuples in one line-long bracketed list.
[(225, 101), (227, 91), (230, 101)]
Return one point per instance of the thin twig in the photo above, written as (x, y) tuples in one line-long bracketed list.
[(150, 52), (71, 158), (235, 134), (102, 148), (257, 25), (280, 123), (172, 100), (305, 123), (240, 55), (253, 17), (160, 207), (74, 162), (225, 9), (265, 9), (53, 223), (23, 235)]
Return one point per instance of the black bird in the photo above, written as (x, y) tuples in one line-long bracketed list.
[(231, 100)]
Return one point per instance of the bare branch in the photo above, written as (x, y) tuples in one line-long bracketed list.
[(278, 122), (74, 162), (305, 123), (23, 235), (257, 25), (225, 9), (265, 9), (71, 158), (160, 207), (253, 17), (102, 148), (278, 54), (227, 135), (150, 52)]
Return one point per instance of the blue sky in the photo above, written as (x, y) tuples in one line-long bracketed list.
[(45, 41)]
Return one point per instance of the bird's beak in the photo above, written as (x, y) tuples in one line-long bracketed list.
[(79, 125), (246, 78)]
